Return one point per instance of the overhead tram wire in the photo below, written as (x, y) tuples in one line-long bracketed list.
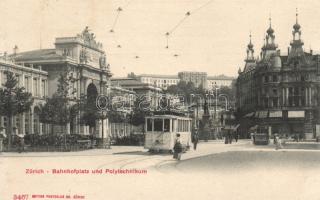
[(115, 22), (188, 14)]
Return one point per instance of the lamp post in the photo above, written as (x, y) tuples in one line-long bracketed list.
[(102, 116)]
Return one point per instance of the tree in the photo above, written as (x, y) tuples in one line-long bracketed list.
[(13, 101), (138, 113), (57, 110), (132, 75), (186, 90)]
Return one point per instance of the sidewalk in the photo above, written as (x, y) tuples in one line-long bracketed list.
[(90, 152), (202, 146)]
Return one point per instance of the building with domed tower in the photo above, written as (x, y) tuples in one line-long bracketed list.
[(280, 91)]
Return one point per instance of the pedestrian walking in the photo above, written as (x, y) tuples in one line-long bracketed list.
[(177, 148), (195, 139), (21, 144), (278, 142), (236, 136)]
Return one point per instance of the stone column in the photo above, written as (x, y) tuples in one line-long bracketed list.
[(283, 96), (306, 95), (300, 96), (40, 89), (310, 96), (40, 127), (31, 128), (31, 86), (22, 124), (287, 96), (68, 129)]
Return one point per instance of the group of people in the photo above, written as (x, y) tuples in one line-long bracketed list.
[(178, 148)]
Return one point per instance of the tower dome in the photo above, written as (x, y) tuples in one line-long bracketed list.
[(296, 26), (270, 31)]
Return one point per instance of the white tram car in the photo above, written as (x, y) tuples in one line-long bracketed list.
[(161, 131)]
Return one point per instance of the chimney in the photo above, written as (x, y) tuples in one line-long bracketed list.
[(311, 51)]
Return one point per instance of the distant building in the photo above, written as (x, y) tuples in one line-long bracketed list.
[(219, 81), (151, 92), (198, 78), (161, 81)]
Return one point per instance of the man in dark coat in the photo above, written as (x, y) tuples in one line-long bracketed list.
[(195, 139), (177, 149)]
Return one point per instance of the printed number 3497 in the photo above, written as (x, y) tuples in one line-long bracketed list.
[(20, 197)]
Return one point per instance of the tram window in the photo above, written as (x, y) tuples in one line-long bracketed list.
[(149, 125), (173, 125), (157, 124), (166, 125)]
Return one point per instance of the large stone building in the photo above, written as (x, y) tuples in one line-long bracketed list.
[(281, 91), (82, 58), (198, 78), (35, 81)]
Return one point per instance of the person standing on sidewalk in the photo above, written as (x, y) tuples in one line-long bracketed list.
[(195, 140), (177, 148)]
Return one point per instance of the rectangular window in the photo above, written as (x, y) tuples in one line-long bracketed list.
[(275, 78), (158, 124), (149, 125), (166, 125)]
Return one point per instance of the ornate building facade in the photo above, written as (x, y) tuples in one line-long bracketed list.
[(82, 58), (281, 91)]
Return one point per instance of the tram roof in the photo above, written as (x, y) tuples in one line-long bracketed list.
[(168, 117)]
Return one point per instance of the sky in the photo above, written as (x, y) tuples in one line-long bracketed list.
[(212, 39)]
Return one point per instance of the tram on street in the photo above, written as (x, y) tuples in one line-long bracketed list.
[(161, 131)]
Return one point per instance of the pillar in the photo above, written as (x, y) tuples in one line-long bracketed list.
[(68, 129), (40, 128), (31, 86), (283, 97), (306, 95), (22, 123), (310, 96), (287, 96), (31, 127), (40, 89)]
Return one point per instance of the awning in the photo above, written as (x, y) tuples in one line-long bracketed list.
[(296, 114), (249, 114), (274, 114)]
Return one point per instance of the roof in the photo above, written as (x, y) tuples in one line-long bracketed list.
[(127, 82), (41, 54), (158, 76), (220, 77)]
